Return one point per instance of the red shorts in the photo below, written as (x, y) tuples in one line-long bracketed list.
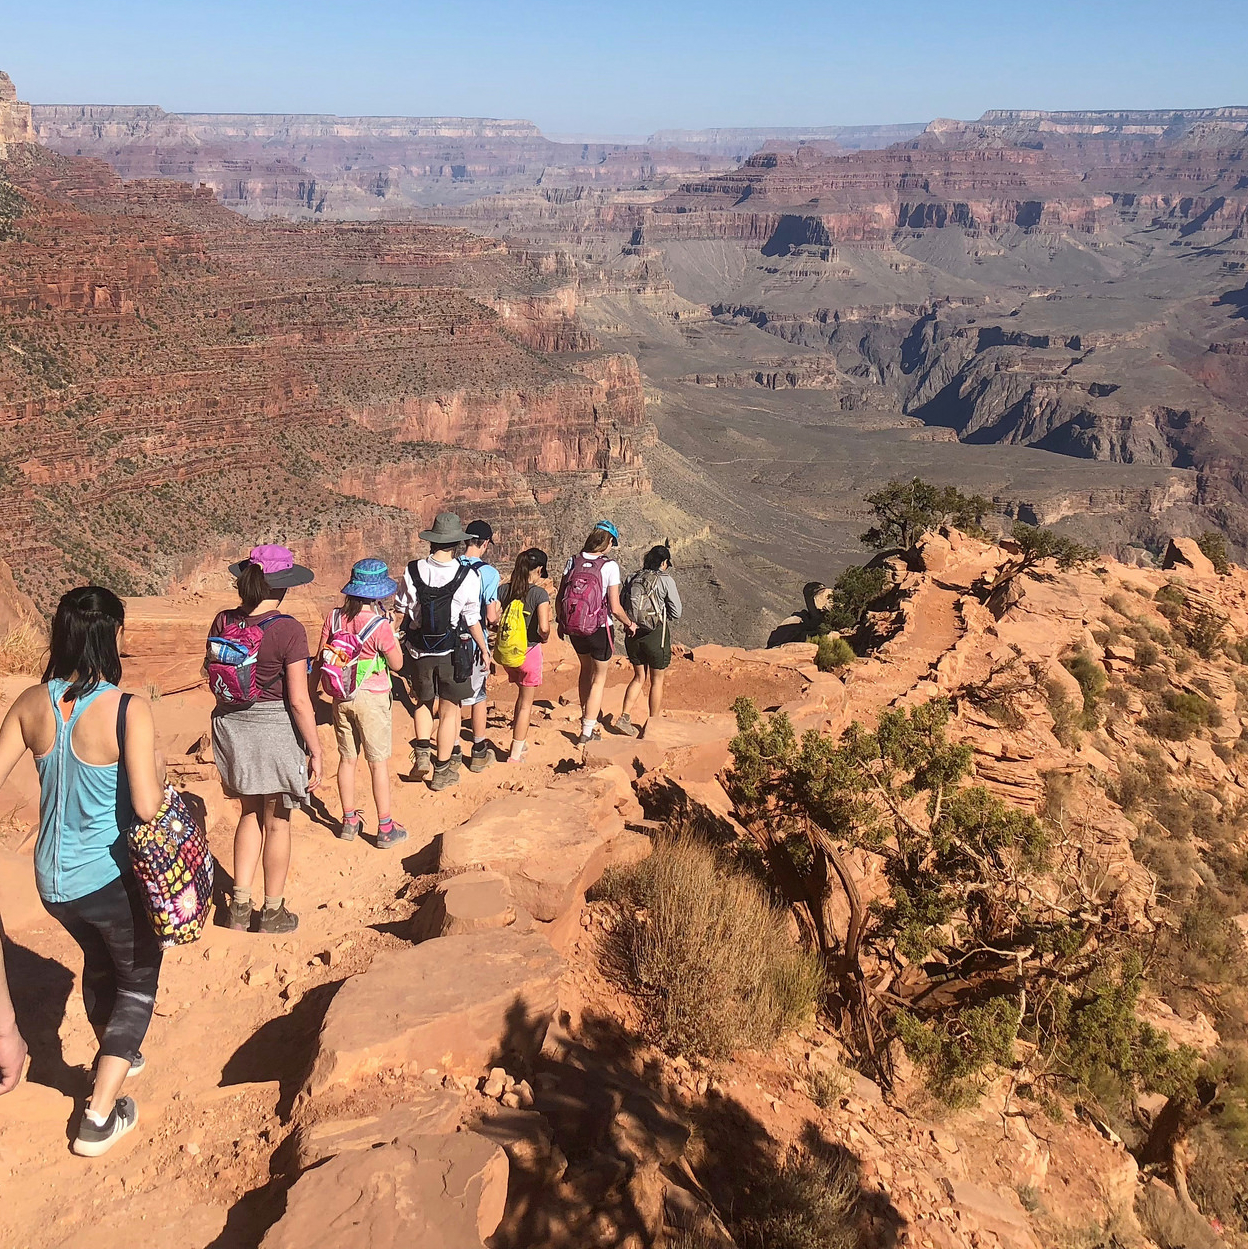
[(528, 673)]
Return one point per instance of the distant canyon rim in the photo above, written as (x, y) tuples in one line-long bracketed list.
[(725, 337)]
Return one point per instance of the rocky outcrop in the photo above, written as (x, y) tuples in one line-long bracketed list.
[(15, 120)]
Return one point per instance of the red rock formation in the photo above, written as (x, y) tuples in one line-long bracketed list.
[(178, 380)]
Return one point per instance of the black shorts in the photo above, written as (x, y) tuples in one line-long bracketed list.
[(652, 649), (599, 645), (433, 676)]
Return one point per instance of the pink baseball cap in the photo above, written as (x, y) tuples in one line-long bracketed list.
[(278, 565)]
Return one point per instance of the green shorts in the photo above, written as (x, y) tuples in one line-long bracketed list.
[(651, 650)]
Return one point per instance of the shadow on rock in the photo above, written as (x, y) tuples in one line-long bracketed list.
[(283, 1048), (40, 988), (604, 1159)]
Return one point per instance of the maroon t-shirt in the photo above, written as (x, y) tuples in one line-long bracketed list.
[(285, 642)]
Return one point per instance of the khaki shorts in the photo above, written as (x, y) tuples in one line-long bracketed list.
[(364, 719)]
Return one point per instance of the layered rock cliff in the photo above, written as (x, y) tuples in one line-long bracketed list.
[(176, 382)]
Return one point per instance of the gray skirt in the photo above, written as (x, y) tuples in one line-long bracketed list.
[(257, 751)]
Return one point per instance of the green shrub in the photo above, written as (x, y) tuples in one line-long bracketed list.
[(955, 1050), (809, 1204), (852, 591), (1066, 715), (1183, 716), (1092, 681), (1204, 633), (707, 956), (1213, 546), (834, 652)]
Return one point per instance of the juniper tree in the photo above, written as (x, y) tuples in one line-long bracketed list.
[(906, 509)]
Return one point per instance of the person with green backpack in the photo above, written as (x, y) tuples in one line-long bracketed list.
[(653, 602), (523, 626)]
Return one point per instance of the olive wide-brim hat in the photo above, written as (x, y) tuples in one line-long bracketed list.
[(447, 530), (278, 565)]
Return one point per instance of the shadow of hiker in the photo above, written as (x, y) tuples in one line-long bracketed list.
[(283, 1048), (621, 1163), (40, 988)]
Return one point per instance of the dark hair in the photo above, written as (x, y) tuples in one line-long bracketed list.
[(352, 605), (526, 562), (434, 547), (656, 557), (84, 640), (599, 540), (253, 589)]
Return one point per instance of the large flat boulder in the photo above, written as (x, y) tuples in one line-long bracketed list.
[(1185, 555), (456, 1004), (551, 845), (438, 1192), (434, 1114), (469, 902)]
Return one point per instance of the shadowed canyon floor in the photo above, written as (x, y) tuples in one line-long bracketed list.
[(437, 1054)]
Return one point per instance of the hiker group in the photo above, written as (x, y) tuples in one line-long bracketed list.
[(119, 859)]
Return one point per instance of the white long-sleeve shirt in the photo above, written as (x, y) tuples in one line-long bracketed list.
[(465, 604)]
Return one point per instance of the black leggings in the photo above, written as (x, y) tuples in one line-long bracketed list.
[(121, 963)]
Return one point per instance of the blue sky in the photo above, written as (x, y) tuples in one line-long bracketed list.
[(635, 65)]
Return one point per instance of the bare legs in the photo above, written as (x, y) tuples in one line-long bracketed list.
[(591, 685), (346, 785), (448, 729), (270, 843), (637, 684), (524, 710)]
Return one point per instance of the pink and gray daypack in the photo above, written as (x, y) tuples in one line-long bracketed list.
[(232, 655), (582, 604), (342, 669)]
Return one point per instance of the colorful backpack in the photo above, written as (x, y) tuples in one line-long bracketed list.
[(232, 656), (582, 598), (342, 668), (171, 862), (513, 636), (644, 600)]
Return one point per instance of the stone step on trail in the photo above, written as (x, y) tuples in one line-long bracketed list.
[(474, 901), (551, 845), (456, 1004), (443, 1191)]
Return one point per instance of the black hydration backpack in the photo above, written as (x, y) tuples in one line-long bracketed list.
[(437, 629)]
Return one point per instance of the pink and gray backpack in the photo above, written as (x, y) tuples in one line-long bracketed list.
[(582, 600), (232, 656), (342, 668)]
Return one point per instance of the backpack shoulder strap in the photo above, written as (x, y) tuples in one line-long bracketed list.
[(460, 577), (369, 629), (263, 625), (413, 571), (123, 779)]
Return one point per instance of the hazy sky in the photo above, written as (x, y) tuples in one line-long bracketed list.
[(632, 66)]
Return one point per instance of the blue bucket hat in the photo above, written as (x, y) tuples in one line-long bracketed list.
[(611, 529), (370, 579)]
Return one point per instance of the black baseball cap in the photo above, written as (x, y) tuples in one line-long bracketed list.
[(480, 530)]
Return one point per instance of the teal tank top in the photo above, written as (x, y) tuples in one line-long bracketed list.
[(82, 821)]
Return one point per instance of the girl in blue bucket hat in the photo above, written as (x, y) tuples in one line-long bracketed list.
[(358, 652)]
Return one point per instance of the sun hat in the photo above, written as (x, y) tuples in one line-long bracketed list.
[(446, 531), (370, 579), (611, 529), (278, 565), (480, 530)]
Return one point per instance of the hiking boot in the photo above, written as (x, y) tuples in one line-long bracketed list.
[(238, 916), (352, 826), (422, 765), (95, 1139), (445, 775), (392, 836), (482, 757), (624, 724), (278, 921), (595, 736)]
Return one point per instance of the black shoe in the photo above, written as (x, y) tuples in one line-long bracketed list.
[(95, 1139)]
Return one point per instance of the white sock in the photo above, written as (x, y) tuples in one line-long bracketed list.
[(517, 749), (588, 727), (98, 1120), (478, 741)]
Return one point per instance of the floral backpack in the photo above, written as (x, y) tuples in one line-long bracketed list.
[(342, 668), (171, 862)]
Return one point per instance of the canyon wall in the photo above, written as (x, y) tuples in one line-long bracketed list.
[(177, 383)]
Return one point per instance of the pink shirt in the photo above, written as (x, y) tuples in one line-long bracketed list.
[(379, 642)]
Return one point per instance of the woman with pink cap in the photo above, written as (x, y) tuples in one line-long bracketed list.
[(264, 736)]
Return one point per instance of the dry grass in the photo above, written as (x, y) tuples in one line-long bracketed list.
[(23, 651), (708, 957)]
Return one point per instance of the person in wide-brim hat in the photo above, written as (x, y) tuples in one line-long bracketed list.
[(370, 580), (278, 565), (447, 530)]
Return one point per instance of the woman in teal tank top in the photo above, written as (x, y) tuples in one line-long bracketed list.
[(91, 787)]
